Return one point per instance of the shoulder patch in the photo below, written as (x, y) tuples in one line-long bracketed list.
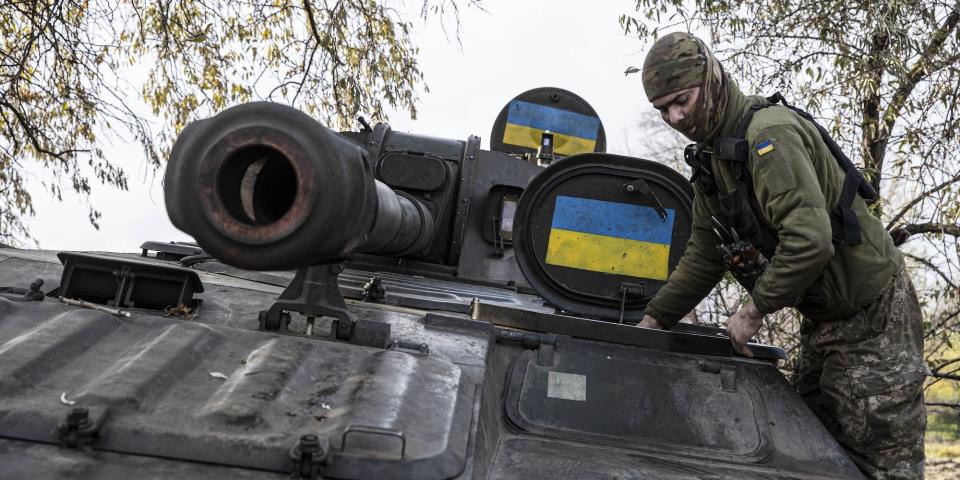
[(764, 148)]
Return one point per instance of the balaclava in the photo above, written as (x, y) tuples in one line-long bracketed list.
[(678, 61)]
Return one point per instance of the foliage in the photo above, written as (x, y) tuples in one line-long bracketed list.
[(886, 71), (943, 403), (70, 72)]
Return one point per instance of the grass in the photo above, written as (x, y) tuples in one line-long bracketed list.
[(943, 423), (942, 450)]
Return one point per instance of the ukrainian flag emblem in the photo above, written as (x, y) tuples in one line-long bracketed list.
[(610, 237), (764, 147), (573, 132)]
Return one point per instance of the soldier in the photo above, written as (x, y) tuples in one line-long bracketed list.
[(769, 177)]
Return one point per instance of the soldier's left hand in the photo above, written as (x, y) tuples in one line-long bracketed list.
[(742, 326)]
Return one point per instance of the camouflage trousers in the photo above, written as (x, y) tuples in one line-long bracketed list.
[(863, 377)]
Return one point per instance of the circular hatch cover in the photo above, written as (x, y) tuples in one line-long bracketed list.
[(598, 234), (575, 125)]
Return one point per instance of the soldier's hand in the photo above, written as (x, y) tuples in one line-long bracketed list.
[(650, 322), (742, 326)]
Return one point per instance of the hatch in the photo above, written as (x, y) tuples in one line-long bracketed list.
[(598, 234), (571, 123), (666, 403)]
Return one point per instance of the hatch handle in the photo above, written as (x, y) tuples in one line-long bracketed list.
[(625, 289), (375, 431), (499, 245), (419, 348), (640, 185)]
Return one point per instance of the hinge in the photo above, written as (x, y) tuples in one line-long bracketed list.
[(32, 294), (544, 343), (726, 370)]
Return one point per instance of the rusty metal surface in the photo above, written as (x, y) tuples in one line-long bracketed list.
[(324, 177)]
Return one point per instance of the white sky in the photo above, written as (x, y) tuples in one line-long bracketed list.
[(509, 48)]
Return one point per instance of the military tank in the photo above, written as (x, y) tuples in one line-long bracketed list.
[(384, 305)]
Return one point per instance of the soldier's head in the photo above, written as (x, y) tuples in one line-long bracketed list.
[(686, 83)]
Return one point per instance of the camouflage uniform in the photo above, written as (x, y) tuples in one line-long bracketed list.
[(863, 377), (862, 366)]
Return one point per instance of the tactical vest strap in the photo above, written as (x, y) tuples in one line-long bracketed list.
[(864, 188), (844, 221)]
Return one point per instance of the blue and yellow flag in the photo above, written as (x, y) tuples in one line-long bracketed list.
[(609, 237), (764, 147), (572, 132)]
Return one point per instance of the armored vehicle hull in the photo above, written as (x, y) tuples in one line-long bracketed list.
[(212, 396), (407, 344)]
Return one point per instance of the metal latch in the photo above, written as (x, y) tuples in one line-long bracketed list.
[(545, 156), (374, 291), (307, 456), (78, 429)]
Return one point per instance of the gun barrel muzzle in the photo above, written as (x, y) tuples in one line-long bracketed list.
[(264, 186)]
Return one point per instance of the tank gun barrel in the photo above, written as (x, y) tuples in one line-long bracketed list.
[(264, 186)]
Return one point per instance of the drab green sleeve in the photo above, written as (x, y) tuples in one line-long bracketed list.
[(698, 271), (792, 201)]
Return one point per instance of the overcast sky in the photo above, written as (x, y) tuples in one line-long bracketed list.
[(505, 50)]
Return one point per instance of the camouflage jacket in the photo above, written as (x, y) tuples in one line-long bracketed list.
[(797, 183)]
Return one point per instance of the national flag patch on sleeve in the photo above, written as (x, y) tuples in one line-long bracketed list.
[(764, 147)]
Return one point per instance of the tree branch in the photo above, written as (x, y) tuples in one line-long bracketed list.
[(931, 266), (903, 232), (932, 330), (945, 376), (922, 66), (945, 364), (920, 198), (872, 153), (913, 77), (28, 131)]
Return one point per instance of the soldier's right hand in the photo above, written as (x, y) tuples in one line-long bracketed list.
[(650, 322)]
